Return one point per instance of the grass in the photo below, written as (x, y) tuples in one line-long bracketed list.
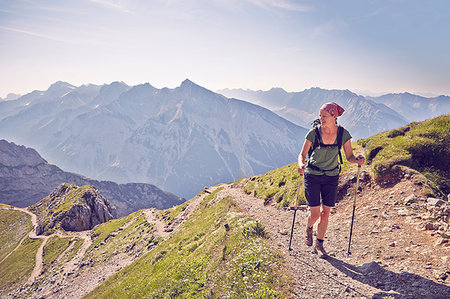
[(117, 235), (14, 225), (423, 147), (203, 259), (16, 268), (53, 248)]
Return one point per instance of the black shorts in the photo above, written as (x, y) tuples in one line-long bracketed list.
[(317, 186)]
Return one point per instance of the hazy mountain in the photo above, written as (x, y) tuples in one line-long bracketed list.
[(26, 178), (10, 97), (362, 117), (414, 107), (179, 139)]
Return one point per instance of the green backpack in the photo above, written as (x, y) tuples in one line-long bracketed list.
[(317, 144)]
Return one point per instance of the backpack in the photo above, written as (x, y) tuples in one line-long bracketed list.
[(317, 144)]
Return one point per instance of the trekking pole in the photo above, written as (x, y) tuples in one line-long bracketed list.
[(295, 211), (354, 207)]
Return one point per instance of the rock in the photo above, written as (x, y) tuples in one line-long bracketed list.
[(441, 241), (435, 202), (404, 212), (410, 199), (430, 226), (371, 267), (72, 208), (364, 176)]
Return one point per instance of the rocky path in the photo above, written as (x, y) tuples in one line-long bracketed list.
[(32, 234), (374, 269)]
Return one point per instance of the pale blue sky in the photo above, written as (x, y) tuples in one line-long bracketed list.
[(375, 45)]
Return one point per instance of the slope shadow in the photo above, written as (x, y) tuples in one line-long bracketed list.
[(396, 285)]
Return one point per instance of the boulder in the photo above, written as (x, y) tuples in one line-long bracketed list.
[(72, 208)]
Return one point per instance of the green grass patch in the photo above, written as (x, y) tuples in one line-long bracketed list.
[(102, 231), (170, 214), (71, 253), (16, 268), (202, 259), (53, 248), (420, 146), (14, 226), (117, 235), (279, 186)]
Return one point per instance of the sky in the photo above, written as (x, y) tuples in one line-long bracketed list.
[(366, 46)]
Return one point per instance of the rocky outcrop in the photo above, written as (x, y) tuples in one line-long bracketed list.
[(72, 208), (26, 178)]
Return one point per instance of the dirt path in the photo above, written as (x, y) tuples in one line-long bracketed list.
[(364, 273), (70, 266)]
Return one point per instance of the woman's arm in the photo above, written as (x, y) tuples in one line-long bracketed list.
[(302, 156), (349, 154)]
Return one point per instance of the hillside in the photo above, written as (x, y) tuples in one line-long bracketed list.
[(232, 240), (26, 178)]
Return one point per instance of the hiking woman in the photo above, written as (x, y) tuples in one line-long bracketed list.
[(321, 171)]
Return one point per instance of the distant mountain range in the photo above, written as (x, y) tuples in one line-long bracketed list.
[(178, 139), (26, 178), (364, 116)]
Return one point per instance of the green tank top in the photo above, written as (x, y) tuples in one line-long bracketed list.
[(325, 157)]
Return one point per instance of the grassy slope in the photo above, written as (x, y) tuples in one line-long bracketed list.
[(16, 269), (204, 259), (281, 185), (423, 147), (14, 225), (53, 248)]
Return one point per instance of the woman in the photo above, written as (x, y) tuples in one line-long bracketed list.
[(322, 171)]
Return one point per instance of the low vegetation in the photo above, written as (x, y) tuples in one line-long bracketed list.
[(120, 235), (420, 147), (54, 247), (16, 268), (204, 258), (14, 226)]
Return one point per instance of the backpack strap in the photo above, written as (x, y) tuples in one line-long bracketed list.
[(340, 136), (316, 143)]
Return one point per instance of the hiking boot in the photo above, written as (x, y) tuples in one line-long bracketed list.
[(320, 250), (309, 236)]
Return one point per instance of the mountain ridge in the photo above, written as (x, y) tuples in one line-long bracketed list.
[(26, 178), (148, 135)]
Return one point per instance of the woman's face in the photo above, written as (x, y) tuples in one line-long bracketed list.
[(326, 118)]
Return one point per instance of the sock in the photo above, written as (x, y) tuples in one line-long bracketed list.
[(320, 240)]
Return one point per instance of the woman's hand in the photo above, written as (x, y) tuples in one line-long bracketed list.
[(301, 169), (360, 159)]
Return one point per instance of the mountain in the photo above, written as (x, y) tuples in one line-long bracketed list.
[(231, 240), (179, 139), (414, 107), (362, 117), (10, 97), (26, 178)]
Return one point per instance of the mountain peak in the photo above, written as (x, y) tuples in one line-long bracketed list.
[(188, 83), (61, 85)]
